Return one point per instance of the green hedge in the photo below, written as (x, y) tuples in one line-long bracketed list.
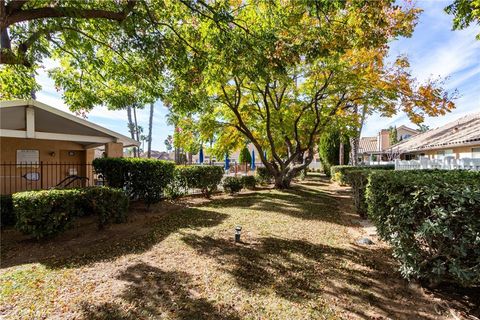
[(338, 173), (143, 179), (205, 178), (46, 213), (7, 217), (232, 184), (108, 204), (263, 176), (358, 180), (432, 221), (249, 182)]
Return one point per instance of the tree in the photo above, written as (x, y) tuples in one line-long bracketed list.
[(33, 22), (393, 135), (279, 73), (465, 13), (329, 149), (169, 143), (423, 127), (131, 128), (356, 133), (109, 52), (245, 157), (150, 123)]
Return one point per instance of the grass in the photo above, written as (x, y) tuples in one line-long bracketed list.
[(297, 260)]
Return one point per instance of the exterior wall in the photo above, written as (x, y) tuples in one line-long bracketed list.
[(59, 159), (114, 150), (459, 152), (383, 140)]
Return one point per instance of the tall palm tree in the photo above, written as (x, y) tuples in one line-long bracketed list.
[(149, 138)]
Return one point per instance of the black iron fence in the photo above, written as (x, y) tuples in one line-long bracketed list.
[(15, 177)]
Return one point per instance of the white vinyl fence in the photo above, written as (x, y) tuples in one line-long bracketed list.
[(447, 163)]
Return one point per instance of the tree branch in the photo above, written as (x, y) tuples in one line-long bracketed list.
[(67, 12)]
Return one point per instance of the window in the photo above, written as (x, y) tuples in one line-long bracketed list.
[(444, 153), (476, 153)]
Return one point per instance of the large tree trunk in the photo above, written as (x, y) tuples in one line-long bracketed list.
[(355, 141), (149, 148), (131, 128), (341, 156)]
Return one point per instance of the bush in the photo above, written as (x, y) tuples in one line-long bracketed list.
[(110, 205), (249, 182), (205, 178), (7, 216), (358, 180), (143, 179), (178, 186), (432, 221), (263, 176), (338, 173), (232, 184), (46, 213)]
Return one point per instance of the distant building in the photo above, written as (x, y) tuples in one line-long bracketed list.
[(379, 147), (459, 138), (43, 147)]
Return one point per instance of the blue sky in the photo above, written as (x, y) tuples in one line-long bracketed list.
[(434, 50)]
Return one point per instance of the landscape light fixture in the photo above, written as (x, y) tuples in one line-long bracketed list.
[(238, 232)]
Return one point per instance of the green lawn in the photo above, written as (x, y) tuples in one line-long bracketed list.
[(297, 260)]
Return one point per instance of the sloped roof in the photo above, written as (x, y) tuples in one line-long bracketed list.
[(368, 144), (464, 131), (52, 120), (404, 127)]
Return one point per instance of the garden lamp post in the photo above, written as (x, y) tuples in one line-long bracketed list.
[(238, 232)]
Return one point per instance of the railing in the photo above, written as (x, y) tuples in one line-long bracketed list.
[(39, 175), (447, 163)]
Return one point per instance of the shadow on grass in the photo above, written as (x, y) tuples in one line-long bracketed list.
[(301, 271), (301, 201), (87, 245), (153, 293)]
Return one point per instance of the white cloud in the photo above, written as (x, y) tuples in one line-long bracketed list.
[(436, 51)]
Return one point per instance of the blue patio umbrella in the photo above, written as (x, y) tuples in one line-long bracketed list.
[(201, 156), (252, 164), (227, 162)]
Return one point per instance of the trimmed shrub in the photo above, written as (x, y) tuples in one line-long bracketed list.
[(142, 179), (432, 221), (232, 184), (263, 176), (205, 178), (178, 186), (358, 180), (249, 182), (7, 216), (338, 173), (47, 213), (108, 204)]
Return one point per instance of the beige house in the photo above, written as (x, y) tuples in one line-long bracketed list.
[(378, 147), (459, 139), (43, 147)]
